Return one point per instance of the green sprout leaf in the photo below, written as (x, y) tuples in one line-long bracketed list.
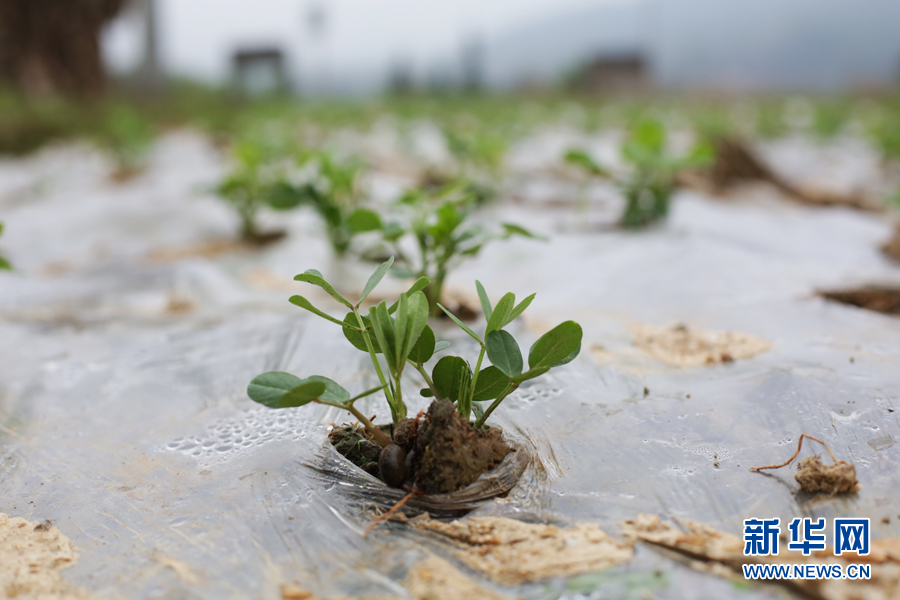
[(364, 219), (511, 229), (500, 312), (441, 346), (375, 278), (355, 336), (485, 301), (420, 284), (518, 310), (424, 347), (306, 304), (333, 393), (410, 325), (277, 389), (557, 347), (461, 324), (504, 353), (580, 158), (491, 383), (383, 327), (314, 277), (451, 374)]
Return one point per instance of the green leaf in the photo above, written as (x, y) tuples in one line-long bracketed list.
[(491, 383), (383, 327), (529, 374), (518, 310), (501, 311), (485, 301), (420, 284), (556, 347), (375, 278), (355, 336), (579, 158), (461, 324), (511, 229), (423, 349), (314, 277), (5, 264), (450, 375), (364, 219), (426, 393), (271, 388), (304, 303), (417, 320), (441, 346), (283, 196), (333, 391), (392, 231), (504, 353)]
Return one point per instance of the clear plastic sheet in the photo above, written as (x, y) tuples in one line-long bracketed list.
[(124, 418)]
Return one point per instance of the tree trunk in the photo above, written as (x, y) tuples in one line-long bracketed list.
[(53, 46)]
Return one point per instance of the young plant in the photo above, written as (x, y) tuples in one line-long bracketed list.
[(444, 235), (128, 135), (649, 185), (399, 333), (453, 378), (334, 194), (402, 340), (4, 264), (253, 184)]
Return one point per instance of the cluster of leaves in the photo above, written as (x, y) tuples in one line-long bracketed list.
[(255, 181), (439, 229), (398, 336), (333, 192), (650, 183), (4, 264)]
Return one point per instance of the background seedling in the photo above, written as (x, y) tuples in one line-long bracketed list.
[(335, 195), (128, 135), (4, 264), (649, 185), (443, 236), (256, 182)]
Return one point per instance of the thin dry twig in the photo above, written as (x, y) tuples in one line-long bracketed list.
[(799, 445)]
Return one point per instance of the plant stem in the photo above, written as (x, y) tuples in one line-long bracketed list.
[(379, 436), (466, 407), (398, 398), (374, 357), (424, 374), (364, 394), (509, 390)]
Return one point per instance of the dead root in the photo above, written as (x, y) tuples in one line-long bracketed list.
[(817, 478), (511, 552)]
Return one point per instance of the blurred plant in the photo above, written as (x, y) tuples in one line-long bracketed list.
[(332, 189), (256, 181), (453, 379), (444, 236), (4, 264), (128, 135), (650, 183)]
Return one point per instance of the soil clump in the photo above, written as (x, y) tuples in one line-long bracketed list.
[(881, 299), (438, 452), (815, 477)]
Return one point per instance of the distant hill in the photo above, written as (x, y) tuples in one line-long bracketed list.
[(724, 44)]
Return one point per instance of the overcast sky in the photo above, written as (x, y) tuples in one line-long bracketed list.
[(198, 36)]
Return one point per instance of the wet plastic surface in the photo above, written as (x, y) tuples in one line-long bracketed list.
[(123, 414)]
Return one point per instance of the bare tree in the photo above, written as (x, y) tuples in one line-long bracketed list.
[(53, 46)]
